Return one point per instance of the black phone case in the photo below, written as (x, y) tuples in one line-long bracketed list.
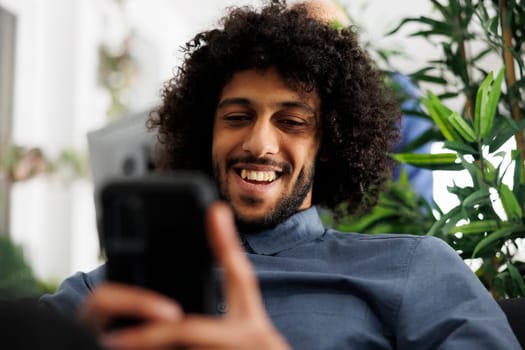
[(154, 236)]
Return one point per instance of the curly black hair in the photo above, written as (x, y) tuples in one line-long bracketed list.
[(360, 118)]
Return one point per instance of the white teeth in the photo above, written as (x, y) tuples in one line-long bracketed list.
[(268, 176)]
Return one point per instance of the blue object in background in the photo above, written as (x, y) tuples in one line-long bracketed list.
[(411, 128)]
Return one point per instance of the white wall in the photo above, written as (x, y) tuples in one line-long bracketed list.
[(57, 99)]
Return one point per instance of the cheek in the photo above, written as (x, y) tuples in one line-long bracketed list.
[(225, 142), (214, 139), (305, 155), (219, 152), (217, 146)]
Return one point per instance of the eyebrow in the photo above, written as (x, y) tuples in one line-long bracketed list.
[(234, 101), (246, 102)]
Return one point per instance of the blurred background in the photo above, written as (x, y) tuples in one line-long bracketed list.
[(68, 69)]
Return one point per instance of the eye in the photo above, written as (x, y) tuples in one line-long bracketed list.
[(292, 124), (237, 119), (234, 117)]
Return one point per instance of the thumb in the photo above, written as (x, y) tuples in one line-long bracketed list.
[(241, 287)]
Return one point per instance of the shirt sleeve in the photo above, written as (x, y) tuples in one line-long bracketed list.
[(445, 306), (72, 292)]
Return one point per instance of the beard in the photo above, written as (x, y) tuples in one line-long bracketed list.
[(286, 205)]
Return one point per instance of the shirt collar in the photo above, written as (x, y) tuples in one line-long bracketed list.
[(301, 227)]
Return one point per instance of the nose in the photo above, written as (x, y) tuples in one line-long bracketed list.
[(261, 139)]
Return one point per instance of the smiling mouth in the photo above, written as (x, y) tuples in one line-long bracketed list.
[(258, 176)]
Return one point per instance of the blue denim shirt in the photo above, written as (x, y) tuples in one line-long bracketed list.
[(329, 290)]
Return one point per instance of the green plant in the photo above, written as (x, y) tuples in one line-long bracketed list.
[(468, 32), (400, 209), (16, 276), (117, 68), (488, 221), (17, 164), (489, 215)]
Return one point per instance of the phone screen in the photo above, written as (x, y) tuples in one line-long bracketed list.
[(154, 236)]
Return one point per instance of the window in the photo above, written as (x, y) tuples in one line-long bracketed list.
[(7, 70)]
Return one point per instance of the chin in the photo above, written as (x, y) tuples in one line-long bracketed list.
[(256, 223), (253, 226)]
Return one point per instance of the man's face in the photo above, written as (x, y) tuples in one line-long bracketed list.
[(265, 140)]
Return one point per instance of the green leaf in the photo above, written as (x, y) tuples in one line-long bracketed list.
[(438, 161), (439, 114), (474, 171), (475, 198), (446, 222), (431, 79), (493, 24), (460, 147), (509, 202), (462, 127), (434, 23), (443, 110), (495, 236), (476, 227), (445, 10), (503, 129), (516, 277), (490, 171), (460, 192), (366, 221), (518, 57), (481, 97), (519, 175), (490, 109), (425, 137), (481, 55), (420, 72), (401, 24), (436, 27), (449, 94)]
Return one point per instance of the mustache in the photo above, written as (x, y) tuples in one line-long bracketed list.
[(250, 159)]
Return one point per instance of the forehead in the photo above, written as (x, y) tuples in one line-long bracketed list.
[(267, 86)]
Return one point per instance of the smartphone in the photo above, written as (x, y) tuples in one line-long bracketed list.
[(154, 236)]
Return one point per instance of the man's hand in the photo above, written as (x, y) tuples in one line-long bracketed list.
[(245, 325)]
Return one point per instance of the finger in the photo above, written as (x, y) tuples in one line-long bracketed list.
[(111, 300), (152, 336), (193, 331), (241, 287)]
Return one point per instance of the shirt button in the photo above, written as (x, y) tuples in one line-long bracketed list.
[(222, 308)]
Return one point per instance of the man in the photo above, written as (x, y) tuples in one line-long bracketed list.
[(287, 113)]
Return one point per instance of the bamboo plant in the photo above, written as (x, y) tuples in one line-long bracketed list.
[(488, 222), (488, 218)]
